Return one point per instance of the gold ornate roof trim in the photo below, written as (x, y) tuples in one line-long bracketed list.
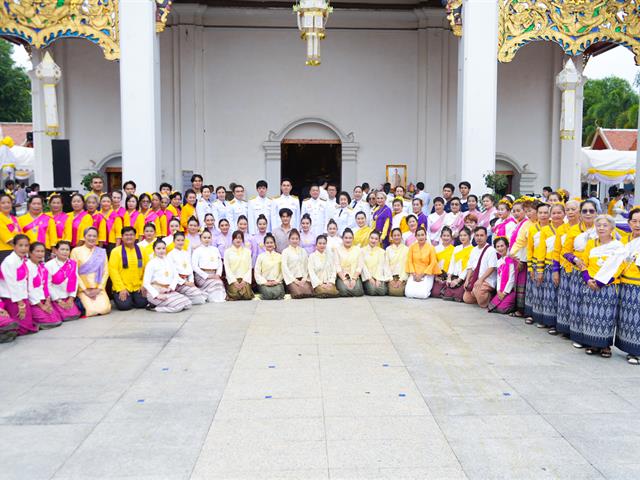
[(454, 15), (575, 25)]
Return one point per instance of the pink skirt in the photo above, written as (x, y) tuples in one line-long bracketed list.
[(25, 325), (505, 306), (72, 313), (43, 319)]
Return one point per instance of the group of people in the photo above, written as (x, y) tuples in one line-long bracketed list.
[(551, 260)]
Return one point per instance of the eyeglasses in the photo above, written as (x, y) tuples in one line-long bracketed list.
[(588, 211)]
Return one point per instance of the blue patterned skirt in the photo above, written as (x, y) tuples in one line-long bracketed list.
[(531, 296), (577, 291), (521, 287), (564, 301), (548, 300), (628, 333), (596, 323)]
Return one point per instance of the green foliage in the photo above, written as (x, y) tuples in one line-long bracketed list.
[(15, 88), (496, 182), (86, 180), (608, 103)]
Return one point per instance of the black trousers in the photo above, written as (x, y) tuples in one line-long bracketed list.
[(134, 300)]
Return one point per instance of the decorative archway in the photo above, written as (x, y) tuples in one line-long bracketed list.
[(524, 180), (111, 169), (273, 152)]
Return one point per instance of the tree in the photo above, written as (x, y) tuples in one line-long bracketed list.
[(608, 103), (15, 88)]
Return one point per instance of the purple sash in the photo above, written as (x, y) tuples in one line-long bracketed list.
[(40, 225), (485, 217), (66, 271), (95, 264)]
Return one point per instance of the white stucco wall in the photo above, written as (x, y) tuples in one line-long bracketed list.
[(224, 88)]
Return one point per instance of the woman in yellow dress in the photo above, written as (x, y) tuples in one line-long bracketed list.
[(237, 269), (132, 217), (362, 230), (422, 267), (375, 273), (189, 208), (396, 254), (93, 273), (457, 268), (268, 271), (38, 226), (112, 222), (322, 270), (444, 251), (78, 221), (349, 265)]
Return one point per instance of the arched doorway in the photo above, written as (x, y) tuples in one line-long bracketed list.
[(308, 149), (111, 170)]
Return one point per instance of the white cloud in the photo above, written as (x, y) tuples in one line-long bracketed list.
[(616, 62)]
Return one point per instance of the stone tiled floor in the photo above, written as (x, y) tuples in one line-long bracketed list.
[(340, 389)]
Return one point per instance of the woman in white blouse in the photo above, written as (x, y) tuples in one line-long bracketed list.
[(322, 270), (294, 268), (207, 268), (237, 268), (181, 260), (268, 271), (160, 280)]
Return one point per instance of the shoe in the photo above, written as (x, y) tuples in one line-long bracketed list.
[(577, 345), (539, 325), (552, 331)]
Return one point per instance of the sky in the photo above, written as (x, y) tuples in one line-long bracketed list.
[(618, 62)]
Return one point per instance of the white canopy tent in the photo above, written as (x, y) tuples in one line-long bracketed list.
[(608, 166)]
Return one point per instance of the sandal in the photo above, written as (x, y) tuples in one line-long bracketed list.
[(593, 351), (605, 353), (631, 360), (540, 325), (577, 345), (528, 321), (552, 331)]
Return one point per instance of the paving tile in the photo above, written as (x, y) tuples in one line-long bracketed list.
[(306, 474), (430, 473), (356, 429), (498, 404), (461, 427), (269, 408)]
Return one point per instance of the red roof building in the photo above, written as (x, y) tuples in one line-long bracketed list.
[(625, 139)]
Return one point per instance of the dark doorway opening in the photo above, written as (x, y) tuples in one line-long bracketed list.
[(306, 161)]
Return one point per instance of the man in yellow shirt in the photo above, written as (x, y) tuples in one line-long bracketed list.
[(126, 270)]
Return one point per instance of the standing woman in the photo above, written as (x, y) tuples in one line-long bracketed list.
[(436, 220), (295, 268), (518, 251), (488, 203), (174, 227), (599, 303), (444, 251), (148, 215), (243, 225), (209, 224), (472, 207), (193, 234), (458, 266), (112, 222), (422, 266), (207, 269), (189, 208), (14, 285), (38, 226), (56, 212), (175, 205), (78, 221), (396, 257), (544, 271), (333, 239), (455, 218), (362, 230), (237, 268), (116, 203), (537, 263), (349, 265), (92, 204), (157, 215), (504, 300), (530, 289), (205, 205), (268, 271), (506, 224), (42, 311), (342, 214), (224, 238), (257, 239), (375, 273), (381, 218), (181, 259), (307, 240), (562, 268), (573, 251), (93, 273), (160, 281), (322, 270), (409, 237), (132, 216)]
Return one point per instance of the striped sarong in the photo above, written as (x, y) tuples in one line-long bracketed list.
[(596, 324)]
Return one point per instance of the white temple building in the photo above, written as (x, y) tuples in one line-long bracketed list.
[(224, 91)]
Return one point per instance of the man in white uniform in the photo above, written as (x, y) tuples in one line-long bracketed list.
[(317, 210), (259, 205), (238, 206), (285, 200)]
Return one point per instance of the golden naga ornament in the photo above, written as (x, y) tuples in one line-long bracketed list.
[(454, 15), (573, 24)]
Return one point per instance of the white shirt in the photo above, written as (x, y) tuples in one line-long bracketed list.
[(259, 206), (361, 206), (345, 218), (36, 294), (317, 210), (203, 207), (237, 208), (206, 258), (181, 260), (284, 201), (10, 287), (489, 260), (511, 280), (159, 271), (59, 292), (426, 201), (222, 210)]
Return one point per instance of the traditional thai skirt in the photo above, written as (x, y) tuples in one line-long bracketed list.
[(564, 301), (596, 323), (628, 332)]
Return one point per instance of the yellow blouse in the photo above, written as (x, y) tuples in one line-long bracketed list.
[(521, 239), (397, 260), (569, 245), (186, 213), (532, 261), (544, 250), (561, 235), (130, 278), (85, 223), (237, 264), (51, 235), (349, 261), (138, 224), (268, 267), (322, 269), (443, 255), (116, 228), (375, 264), (294, 264), (361, 236), (422, 260), (595, 254)]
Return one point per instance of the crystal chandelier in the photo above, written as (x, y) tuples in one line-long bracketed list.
[(312, 18)]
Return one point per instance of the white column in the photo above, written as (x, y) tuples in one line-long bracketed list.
[(43, 161), (140, 93), (636, 193), (478, 103)]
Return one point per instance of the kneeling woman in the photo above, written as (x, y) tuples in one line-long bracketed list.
[(65, 277), (599, 305), (457, 271), (294, 267), (422, 267), (207, 268), (322, 270), (237, 268), (505, 299), (268, 271), (14, 285), (44, 315), (375, 273), (160, 281), (396, 254), (181, 260), (92, 274), (349, 265)]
